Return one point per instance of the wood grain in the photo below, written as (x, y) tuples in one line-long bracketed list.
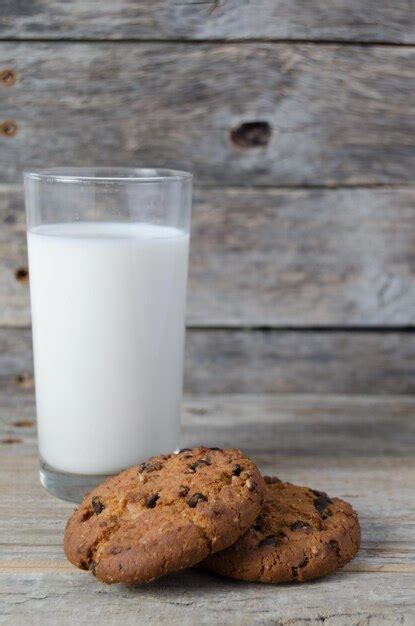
[(300, 425), (358, 448), (50, 595), (292, 361), (372, 20), (336, 114), (269, 257), (267, 361)]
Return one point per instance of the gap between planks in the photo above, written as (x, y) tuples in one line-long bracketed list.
[(211, 42)]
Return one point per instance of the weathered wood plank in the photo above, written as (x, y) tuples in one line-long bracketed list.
[(38, 586), (303, 425), (270, 257), (45, 598), (266, 361), (327, 115), (372, 20), (333, 362)]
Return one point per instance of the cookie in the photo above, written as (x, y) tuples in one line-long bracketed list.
[(166, 514), (300, 534)]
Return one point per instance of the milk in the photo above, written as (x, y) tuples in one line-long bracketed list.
[(108, 309)]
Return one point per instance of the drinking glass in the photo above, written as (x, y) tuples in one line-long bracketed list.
[(108, 257)]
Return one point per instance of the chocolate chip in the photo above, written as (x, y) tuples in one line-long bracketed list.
[(326, 514), (185, 450), (183, 491), (201, 462), (220, 449), (318, 493), (152, 500), (87, 515), (322, 502), (267, 541), (236, 471), (149, 467), (300, 525), (97, 505), (271, 480), (194, 466), (153, 467), (196, 497), (303, 563), (333, 546)]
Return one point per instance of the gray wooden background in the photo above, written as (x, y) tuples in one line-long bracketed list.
[(297, 118)]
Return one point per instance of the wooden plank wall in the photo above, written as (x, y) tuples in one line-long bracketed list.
[(298, 121)]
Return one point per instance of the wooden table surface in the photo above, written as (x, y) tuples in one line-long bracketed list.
[(358, 448)]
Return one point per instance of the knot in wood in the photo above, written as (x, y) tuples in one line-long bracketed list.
[(251, 135), (8, 77), (8, 128)]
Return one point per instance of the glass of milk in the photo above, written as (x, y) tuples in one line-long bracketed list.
[(108, 256)]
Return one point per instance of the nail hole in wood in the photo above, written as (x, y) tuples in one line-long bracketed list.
[(8, 128), (251, 135), (21, 274), (24, 381), (24, 423), (11, 440), (8, 77)]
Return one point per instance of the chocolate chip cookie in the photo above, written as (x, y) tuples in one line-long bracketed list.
[(300, 534), (166, 514)]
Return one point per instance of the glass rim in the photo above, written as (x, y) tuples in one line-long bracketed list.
[(108, 175)]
